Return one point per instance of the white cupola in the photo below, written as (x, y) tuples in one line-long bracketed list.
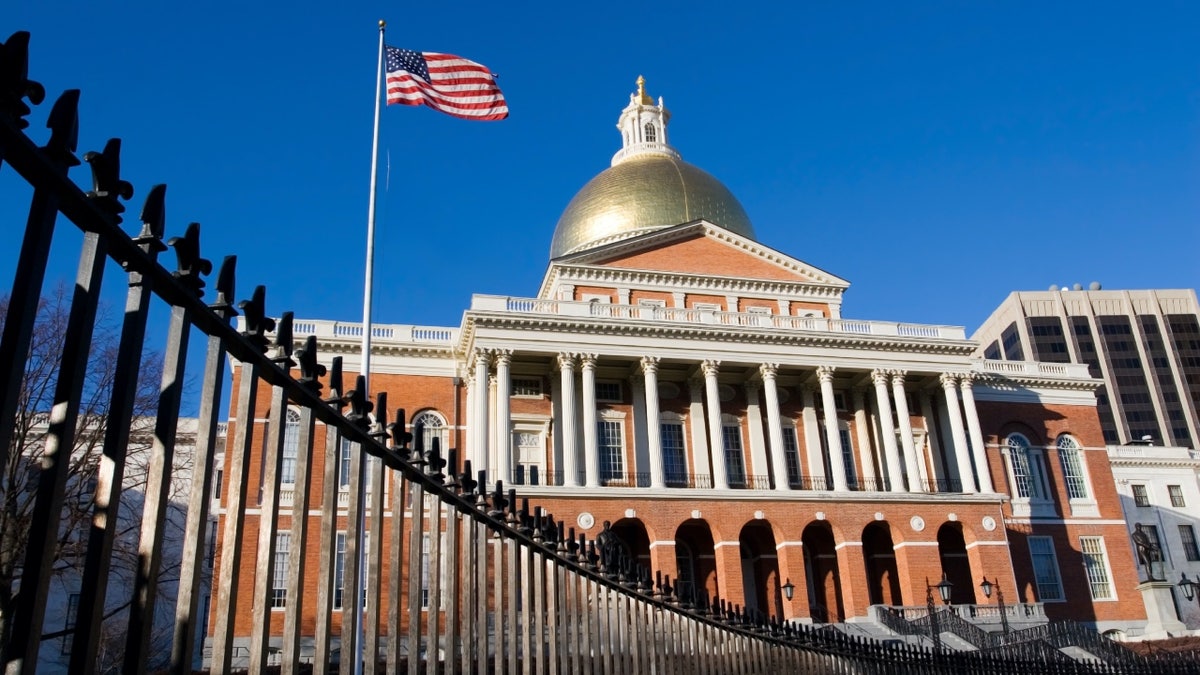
[(643, 126)]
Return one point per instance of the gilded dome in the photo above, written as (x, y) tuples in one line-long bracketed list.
[(648, 187), (643, 193)]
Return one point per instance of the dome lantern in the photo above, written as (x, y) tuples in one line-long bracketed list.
[(643, 126)]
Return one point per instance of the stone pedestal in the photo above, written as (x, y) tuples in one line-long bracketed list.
[(1161, 618)]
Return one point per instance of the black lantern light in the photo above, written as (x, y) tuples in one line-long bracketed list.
[(789, 589)]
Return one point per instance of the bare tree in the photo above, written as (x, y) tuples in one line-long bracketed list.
[(18, 482)]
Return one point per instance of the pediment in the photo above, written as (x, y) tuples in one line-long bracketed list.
[(701, 248)]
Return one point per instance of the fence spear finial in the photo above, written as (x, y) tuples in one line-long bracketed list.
[(15, 84)]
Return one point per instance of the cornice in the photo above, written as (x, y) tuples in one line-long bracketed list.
[(682, 280), (1002, 383), (737, 334)]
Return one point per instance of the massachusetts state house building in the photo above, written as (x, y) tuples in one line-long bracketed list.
[(703, 394)]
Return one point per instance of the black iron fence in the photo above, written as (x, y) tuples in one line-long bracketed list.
[(474, 578)]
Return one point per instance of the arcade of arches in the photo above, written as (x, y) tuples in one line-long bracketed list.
[(836, 572)]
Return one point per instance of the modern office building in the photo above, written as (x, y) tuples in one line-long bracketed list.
[(1144, 345)]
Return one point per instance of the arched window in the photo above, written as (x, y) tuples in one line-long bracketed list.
[(1072, 466), (427, 426), (649, 133), (291, 444), (1026, 482)]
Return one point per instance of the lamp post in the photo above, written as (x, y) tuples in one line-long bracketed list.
[(987, 593), (943, 588), (1187, 586), (789, 590)]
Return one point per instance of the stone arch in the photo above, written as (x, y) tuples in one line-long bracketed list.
[(879, 557), (760, 570), (695, 558), (1035, 437), (952, 553), (824, 579)]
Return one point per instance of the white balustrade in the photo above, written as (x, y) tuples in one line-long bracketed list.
[(492, 303)]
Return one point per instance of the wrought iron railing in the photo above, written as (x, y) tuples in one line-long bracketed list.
[(940, 485)]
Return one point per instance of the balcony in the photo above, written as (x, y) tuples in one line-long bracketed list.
[(328, 330), (595, 310)]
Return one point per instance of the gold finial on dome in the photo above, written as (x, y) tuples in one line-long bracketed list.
[(642, 96)]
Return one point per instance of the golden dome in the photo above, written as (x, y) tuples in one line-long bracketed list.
[(642, 193)]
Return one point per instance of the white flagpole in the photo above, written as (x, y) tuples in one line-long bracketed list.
[(366, 364)]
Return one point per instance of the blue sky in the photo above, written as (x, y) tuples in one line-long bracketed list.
[(936, 155)]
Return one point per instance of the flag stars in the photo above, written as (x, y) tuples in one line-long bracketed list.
[(407, 59)]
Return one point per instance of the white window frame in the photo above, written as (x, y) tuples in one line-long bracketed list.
[(535, 431), (707, 306), (1071, 450), (541, 389), (1050, 556), (728, 423), (339, 570), (1037, 501), (279, 570), (1106, 569), (791, 455), (606, 398), (609, 472), (429, 431), (674, 420), (291, 446)]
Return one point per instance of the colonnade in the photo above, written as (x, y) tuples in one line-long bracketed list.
[(489, 437)]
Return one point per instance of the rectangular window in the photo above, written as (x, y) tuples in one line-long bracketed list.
[(647, 302), (791, 455), (283, 544), (848, 456), (339, 569), (344, 464), (707, 307), (735, 463), (1140, 498), (1045, 568), (527, 387), (1176, 493), (1096, 567), (291, 444), (217, 482), (1188, 535), (612, 450), (608, 392), (425, 570), (674, 454)]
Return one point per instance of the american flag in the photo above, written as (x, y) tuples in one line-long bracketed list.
[(444, 82)]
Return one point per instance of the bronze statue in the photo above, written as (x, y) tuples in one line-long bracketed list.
[(1148, 551)]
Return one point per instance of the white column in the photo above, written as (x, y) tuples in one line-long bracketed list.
[(934, 438), (591, 453), (504, 460), (653, 426), (479, 420), (774, 426), (699, 434), (961, 457), (493, 426), (982, 472), (754, 429), (716, 440), (472, 443), (833, 439), (570, 451), (911, 461), (812, 436), (862, 430), (888, 430)]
